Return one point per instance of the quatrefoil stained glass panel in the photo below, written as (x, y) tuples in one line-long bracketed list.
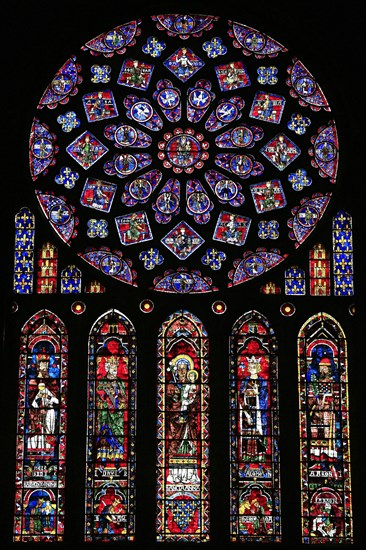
[(183, 153)]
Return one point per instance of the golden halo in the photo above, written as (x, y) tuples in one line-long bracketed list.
[(186, 359), (195, 374)]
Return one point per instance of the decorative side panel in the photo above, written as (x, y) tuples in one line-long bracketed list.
[(295, 282), (24, 252), (319, 269), (71, 280), (47, 269), (342, 254)]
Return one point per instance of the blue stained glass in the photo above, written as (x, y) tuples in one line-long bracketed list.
[(342, 254), (24, 252), (71, 280), (214, 47), (153, 47), (185, 85), (23, 284), (295, 283)]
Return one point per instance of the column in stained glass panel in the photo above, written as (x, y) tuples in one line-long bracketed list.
[(71, 280), (24, 252), (342, 254), (182, 430), (41, 436), (111, 430), (324, 432), (47, 269), (319, 268), (295, 284), (254, 432)]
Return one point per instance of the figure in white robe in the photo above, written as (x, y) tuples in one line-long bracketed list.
[(44, 402)]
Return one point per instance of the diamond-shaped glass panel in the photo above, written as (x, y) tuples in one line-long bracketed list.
[(86, 150), (182, 240), (184, 63), (281, 151)]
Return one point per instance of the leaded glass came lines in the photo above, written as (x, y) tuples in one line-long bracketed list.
[(47, 269), (24, 252), (319, 269)]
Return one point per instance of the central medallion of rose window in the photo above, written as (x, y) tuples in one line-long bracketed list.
[(183, 150)]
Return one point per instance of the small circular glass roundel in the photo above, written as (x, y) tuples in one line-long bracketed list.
[(140, 189), (219, 307), (125, 135), (146, 306), (78, 308), (199, 98), (287, 309)]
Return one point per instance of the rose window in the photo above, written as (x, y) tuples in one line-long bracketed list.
[(183, 154)]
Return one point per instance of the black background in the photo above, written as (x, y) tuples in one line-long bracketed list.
[(37, 38)]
